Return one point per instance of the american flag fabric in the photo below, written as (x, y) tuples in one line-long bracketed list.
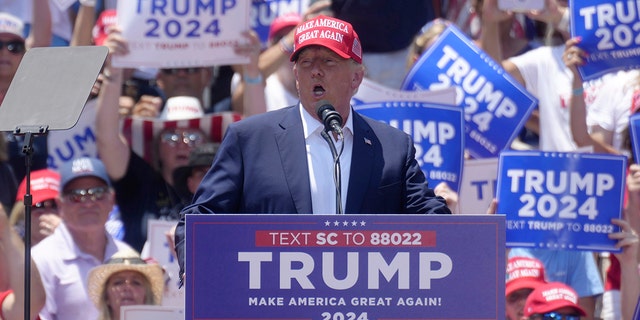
[(139, 132)]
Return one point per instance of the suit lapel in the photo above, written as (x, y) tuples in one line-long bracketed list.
[(293, 154), (362, 160)]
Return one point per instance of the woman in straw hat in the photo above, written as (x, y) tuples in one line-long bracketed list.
[(125, 280)]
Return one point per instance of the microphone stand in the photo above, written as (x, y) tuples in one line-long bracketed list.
[(337, 178), (27, 148)]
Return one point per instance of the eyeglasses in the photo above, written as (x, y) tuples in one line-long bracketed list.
[(14, 46), (83, 195), (174, 71), (191, 138), (46, 205), (554, 316)]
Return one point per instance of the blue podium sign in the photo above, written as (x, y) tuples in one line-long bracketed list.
[(363, 267), (495, 105), (437, 132), (556, 200), (609, 32)]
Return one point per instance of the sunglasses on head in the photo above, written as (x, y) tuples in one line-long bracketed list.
[(178, 70), (554, 316), (84, 195), (13, 46)]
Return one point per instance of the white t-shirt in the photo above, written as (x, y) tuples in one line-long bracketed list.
[(276, 95), (612, 107), (549, 80)]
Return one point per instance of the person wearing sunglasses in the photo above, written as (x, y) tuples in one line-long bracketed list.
[(81, 241), (140, 162), (553, 301), (12, 48), (45, 188), (13, 45)]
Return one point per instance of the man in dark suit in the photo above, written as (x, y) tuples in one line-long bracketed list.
[(278, 162)]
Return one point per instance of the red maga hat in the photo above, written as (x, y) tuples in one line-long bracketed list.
[(45, 185), (331, 33), (287, 20), (524, 273), (550, 297)]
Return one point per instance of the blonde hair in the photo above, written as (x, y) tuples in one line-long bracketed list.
[(105, 310), (429, 32), (16, 218)]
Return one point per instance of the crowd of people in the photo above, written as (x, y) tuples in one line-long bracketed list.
[(211, 123)]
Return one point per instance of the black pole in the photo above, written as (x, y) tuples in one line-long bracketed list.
[(27, 148)]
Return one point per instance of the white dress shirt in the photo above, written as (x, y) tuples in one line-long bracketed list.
[(320, 162)]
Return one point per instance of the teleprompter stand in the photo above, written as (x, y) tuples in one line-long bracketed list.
[(48, 92)]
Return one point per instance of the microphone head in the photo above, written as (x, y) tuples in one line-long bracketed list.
[(322, 106)]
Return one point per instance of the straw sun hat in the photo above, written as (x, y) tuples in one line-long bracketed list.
[(125, 260)]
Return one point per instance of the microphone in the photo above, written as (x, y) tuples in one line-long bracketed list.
[(330, 117)]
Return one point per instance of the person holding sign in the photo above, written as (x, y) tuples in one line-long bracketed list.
[(605, 125), (278, 162), (144, 182), (544, 74), (605, 128), (534, 68)]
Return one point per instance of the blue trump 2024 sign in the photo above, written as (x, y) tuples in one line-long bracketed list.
[(609, 32), (344, 266), (495, 105), (556, 200), (437, 135)]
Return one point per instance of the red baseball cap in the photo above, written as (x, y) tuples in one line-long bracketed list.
[(552, 296), (45, 185), (331, 33), (524, 273), (100, 31), (287, 20)]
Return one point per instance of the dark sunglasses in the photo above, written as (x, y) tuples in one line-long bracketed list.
[(554, 316), (84, 195), (46, 205), (14, 46), (178, 70)]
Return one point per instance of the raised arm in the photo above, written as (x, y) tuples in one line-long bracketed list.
[(629, 277), (12, 249), (251, 88), (41, 27), (82, 29), (573, 57), (112, 146)]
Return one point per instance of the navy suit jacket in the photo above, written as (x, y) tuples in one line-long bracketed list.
[(261, 167)]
